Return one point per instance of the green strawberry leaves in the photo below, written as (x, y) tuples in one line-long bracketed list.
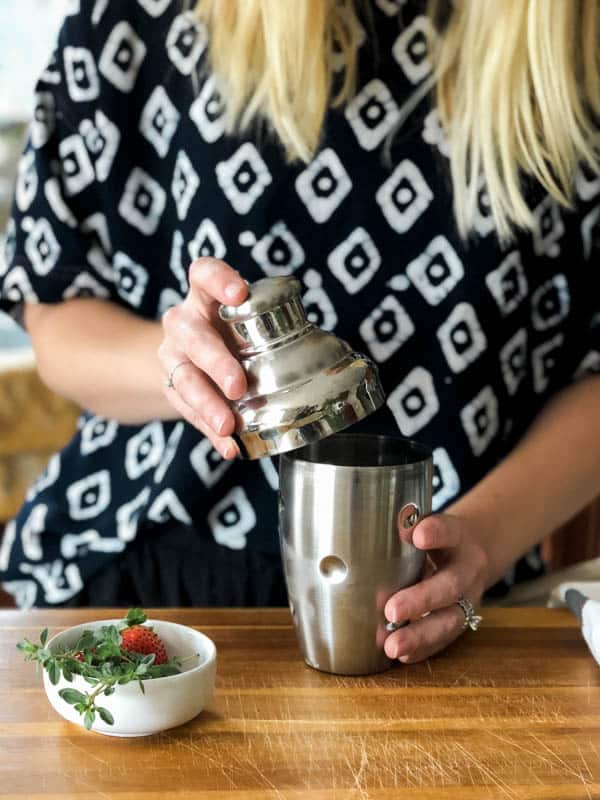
[(99, 659)]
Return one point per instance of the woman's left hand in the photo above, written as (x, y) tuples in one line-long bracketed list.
[(457, 566)]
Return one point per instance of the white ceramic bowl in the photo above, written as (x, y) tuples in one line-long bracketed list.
[(167, 701)]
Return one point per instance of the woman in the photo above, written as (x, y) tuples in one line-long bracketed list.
[(430, 174)]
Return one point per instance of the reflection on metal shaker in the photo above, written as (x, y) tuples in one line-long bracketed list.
[(340, 502)]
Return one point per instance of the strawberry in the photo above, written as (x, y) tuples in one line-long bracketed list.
[(144, 641)]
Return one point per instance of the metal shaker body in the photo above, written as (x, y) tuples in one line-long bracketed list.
[(339, 504)]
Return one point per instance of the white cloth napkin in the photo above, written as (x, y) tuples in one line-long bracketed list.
[(583, 598)]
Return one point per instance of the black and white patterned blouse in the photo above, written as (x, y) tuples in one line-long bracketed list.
[(128, 176)]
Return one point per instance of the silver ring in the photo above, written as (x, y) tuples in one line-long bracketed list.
[(169, 381), (472, 620)]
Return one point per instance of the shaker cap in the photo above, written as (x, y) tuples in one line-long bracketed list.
[(264, 295)]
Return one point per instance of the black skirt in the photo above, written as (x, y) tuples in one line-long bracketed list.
[(179, 567)]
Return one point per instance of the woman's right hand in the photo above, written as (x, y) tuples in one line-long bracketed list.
[(196, 339)]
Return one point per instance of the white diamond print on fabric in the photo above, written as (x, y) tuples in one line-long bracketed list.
[(434, 133), (122, 57), (42, 247), (404, 196), (89, 496), (85, 285), (207, 112), (6, 544), (549, 228), (243, 177), (27, 182), (102, 138), (131, 279), (319, 308), (97, 432), (97, 259), (590, 232), (207, 241), (144, 450), (78, 545), (159, 121), (186, 41), (483, 221), (508, 283), (78, 171), (169, 452), (550, 303), (587, 184), (56, 201), (414, 402), (208, 463), (278, 252), (52, 73), (17, 287), (270, 472), (446, 483), (155, 7), (168, 506), (59, 583), (480, 420), (390, 7), (127, 516), (386, 328), (32, 529), (143, 202), (436, 271), (24, 593), (589, 365), (176, 261), (411, 49), (48, 477), (323, 185), (184, 184), (513, 360), (231, 519), (543, 359), (355, 260), (98, 225), (372, 114), (43, 120), (83, 84), (100, 7), (168, 298), (461, 337), (10, 245)]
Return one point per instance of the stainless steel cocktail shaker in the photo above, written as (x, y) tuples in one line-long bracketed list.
[(303, 383), (341, 500)]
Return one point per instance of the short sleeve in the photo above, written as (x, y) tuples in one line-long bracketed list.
[(56, 240), (588, 190)]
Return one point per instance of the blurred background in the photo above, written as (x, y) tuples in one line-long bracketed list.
[(33, 422)]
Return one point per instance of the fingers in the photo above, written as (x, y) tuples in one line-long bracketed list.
[(224, 444), (213, 281), (426, 636), (437, 591), (434, 532), (189, 333)]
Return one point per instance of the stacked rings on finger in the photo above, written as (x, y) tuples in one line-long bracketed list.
[(472, 620), (169, 380)]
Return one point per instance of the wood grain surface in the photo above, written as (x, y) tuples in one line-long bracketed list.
[(512, 711)]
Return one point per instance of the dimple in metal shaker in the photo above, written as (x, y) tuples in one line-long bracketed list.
[(303, 383), (340, 503)]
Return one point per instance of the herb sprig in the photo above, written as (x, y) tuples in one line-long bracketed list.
[(101, 661)]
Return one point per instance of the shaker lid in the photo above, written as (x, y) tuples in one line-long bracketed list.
[(263, 295)]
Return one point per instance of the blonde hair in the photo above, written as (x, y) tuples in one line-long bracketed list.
[(517, 86)]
